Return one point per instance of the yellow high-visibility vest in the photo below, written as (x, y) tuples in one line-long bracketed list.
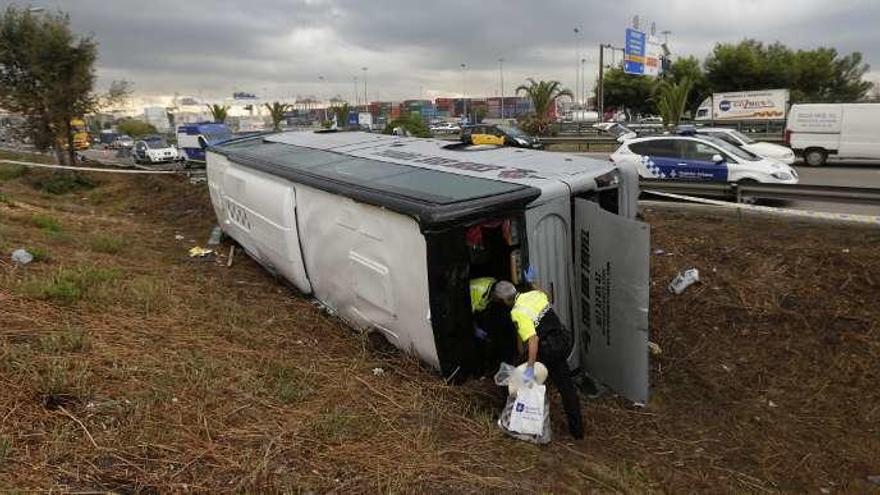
[(480, 288), (528, 309)]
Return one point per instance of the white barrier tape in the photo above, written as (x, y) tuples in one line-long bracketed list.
[(88, 169), (844, 217)]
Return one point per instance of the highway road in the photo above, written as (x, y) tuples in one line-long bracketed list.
[(836, 173)]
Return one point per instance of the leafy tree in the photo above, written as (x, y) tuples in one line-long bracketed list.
[(480, 114), (47, 75), (672, 99), (414, 125), (341, 113), (689, 68), (628, 92), (218, 112), (819, 75), (543, 95), (135, 128), (276, 113)]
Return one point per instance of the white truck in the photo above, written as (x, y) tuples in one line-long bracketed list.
[(769, 104), (845, 130)]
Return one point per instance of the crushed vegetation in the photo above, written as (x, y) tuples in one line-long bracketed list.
[(127, 366)]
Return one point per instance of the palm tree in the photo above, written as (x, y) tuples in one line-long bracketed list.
[(276, 113), (218, 112), (341, 113), (672, 99), (543, 95)]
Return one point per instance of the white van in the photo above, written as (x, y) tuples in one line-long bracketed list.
[(387, 232), (846, 130)]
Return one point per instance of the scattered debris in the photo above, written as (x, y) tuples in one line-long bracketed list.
[(22, 257), (378, 371), (216, 236), (654, 348), (659, 252), (200, 252), (726, 368), (772, 404), (684, 280), (178, 237), (231, 254), (845, 251), (874, 478)]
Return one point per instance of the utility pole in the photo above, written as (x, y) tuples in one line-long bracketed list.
[(501, 73), (583, 88)]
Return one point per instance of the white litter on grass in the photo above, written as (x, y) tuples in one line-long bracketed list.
[(178, 237), (684, 280), (22, 257), (378, 372)]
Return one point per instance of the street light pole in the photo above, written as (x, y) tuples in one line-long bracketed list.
[(356, 97), (600, 92), (366, 99), (501, 73), (577, 67), (464, 91), (321, 96)]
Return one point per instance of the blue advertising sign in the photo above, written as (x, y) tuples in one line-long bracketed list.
[(352, 118), (634, 52)]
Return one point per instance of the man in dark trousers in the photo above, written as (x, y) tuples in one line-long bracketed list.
[(546, 339), (493, 328)]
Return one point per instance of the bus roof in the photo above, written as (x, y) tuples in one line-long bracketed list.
[(433, 197)]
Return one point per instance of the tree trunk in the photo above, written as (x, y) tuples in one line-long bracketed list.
[(71, 150)]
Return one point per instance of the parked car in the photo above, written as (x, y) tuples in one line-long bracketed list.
[(499, 135), (783, 154), (845, 130), (122, 142), (700, 158), (446, 127), (154, 149)]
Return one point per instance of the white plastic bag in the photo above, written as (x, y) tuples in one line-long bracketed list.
[(527, 416), (503, 379)]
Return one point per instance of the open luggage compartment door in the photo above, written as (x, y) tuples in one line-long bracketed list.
[(612, 290)]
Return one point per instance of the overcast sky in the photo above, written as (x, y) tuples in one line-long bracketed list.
[(279, 48)]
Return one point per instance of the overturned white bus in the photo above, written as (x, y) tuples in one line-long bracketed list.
[(387, 232)]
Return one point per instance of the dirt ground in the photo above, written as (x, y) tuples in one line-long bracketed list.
[(127, 366)]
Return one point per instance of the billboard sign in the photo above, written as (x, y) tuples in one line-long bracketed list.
[(771, 104), (641, 54), (634, 52)]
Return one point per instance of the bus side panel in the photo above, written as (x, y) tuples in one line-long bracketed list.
[(369, 265), (259, 211)]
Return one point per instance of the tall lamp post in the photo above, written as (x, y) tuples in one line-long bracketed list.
[(577, 63), (501, 74), (321, 96), (464, 92), (356, 97), (366, 99)]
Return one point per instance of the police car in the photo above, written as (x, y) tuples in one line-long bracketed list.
[(693, 157)]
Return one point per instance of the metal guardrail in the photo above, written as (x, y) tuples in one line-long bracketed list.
[(834, 194)]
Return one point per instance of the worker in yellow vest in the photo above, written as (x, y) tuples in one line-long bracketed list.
[(546, 340), (493, 328)]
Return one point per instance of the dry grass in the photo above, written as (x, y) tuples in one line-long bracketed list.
[(140, 370)]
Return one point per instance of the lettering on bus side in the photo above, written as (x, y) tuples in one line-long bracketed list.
[(586, 314), (503, 172), (602, 301)]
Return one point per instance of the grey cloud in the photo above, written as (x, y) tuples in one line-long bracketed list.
[(281, 46)]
